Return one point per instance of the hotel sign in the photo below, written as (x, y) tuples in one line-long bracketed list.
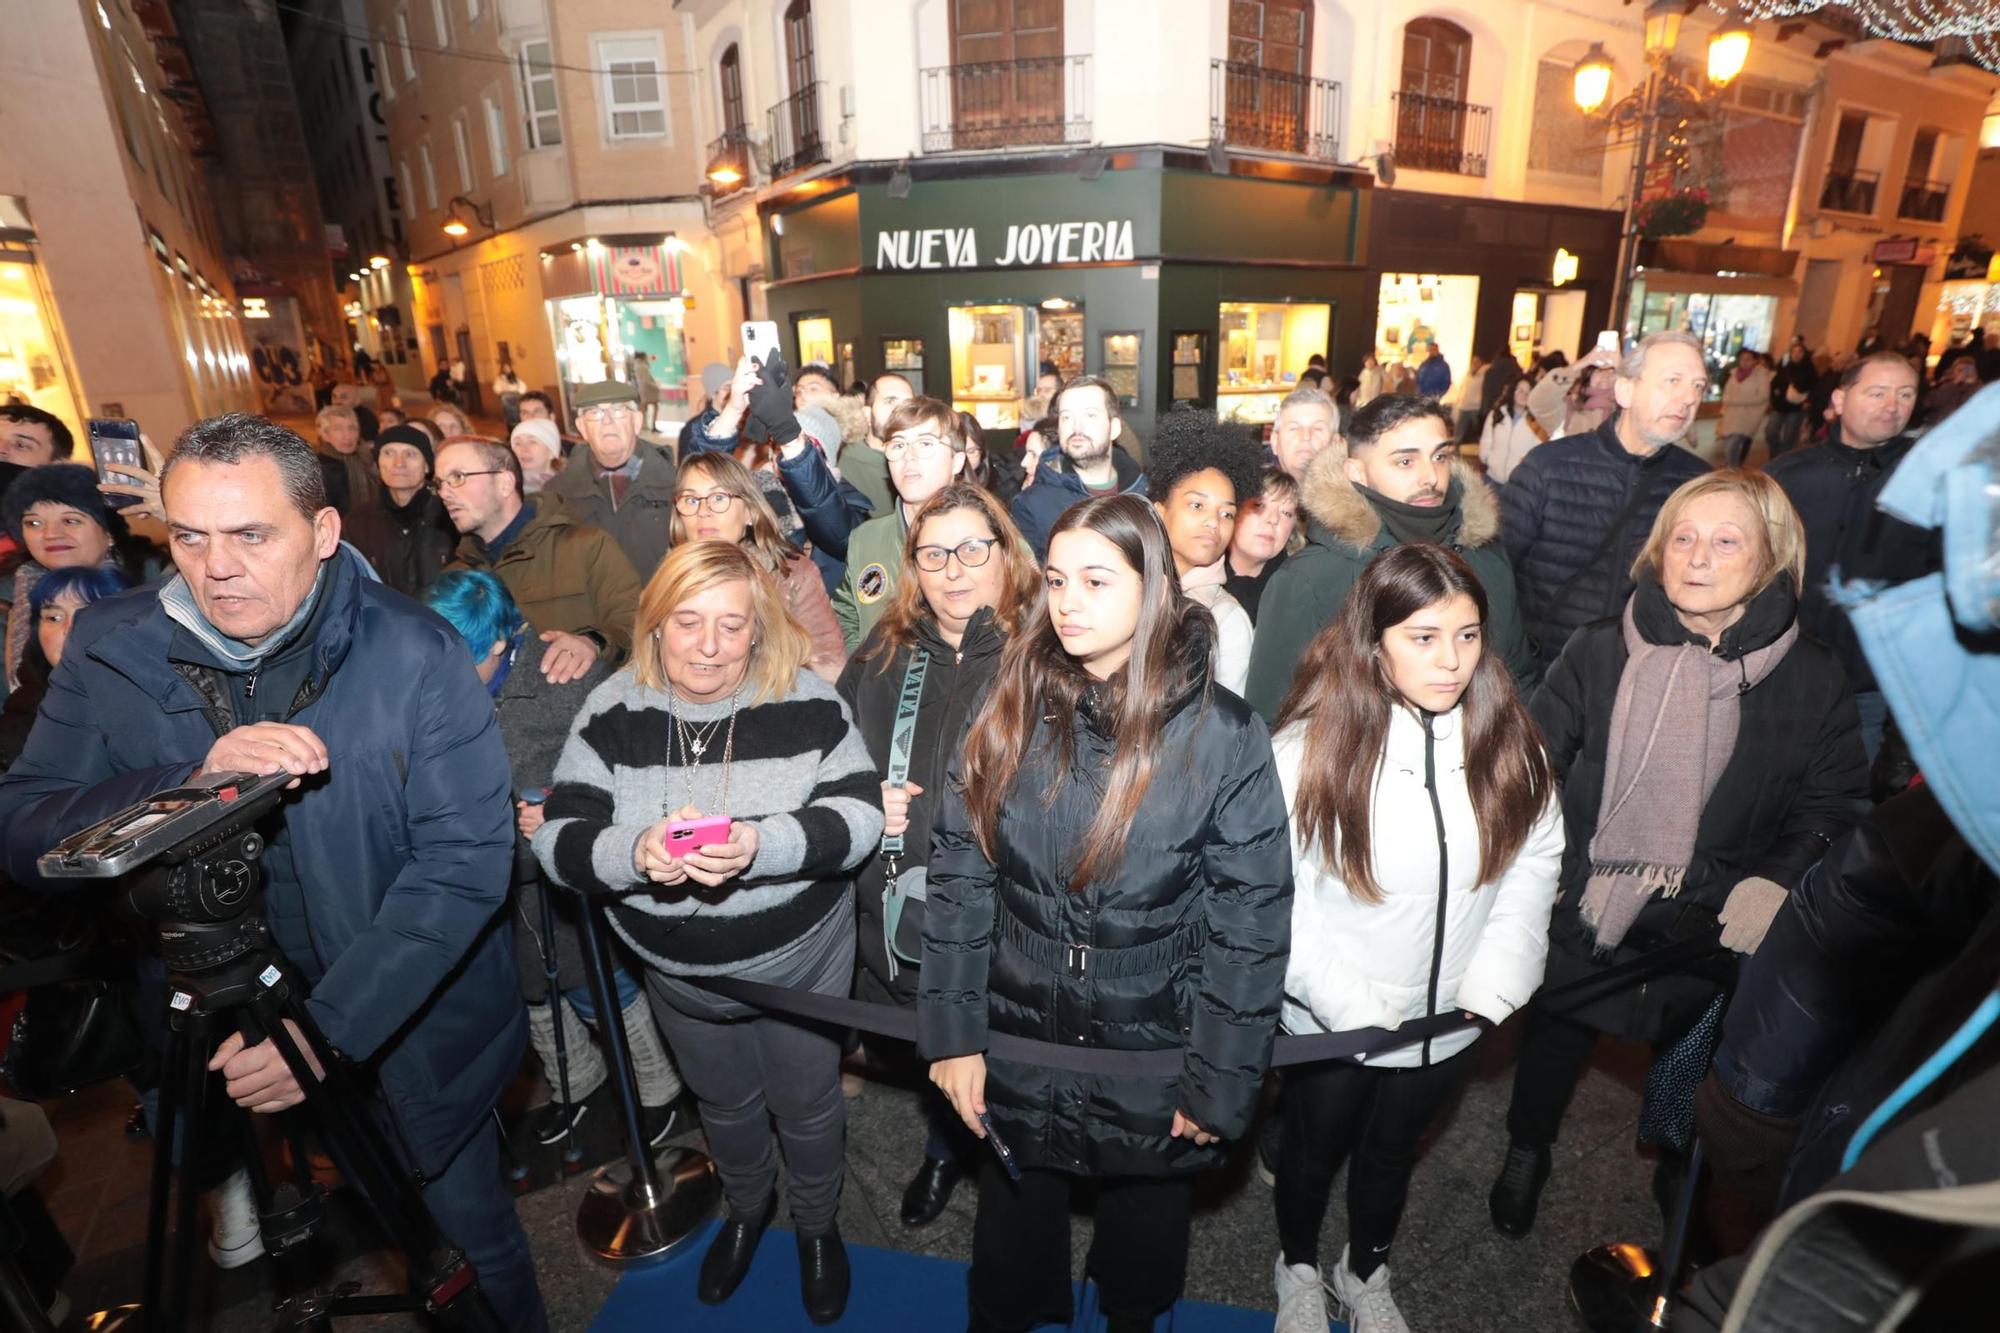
[(1022, 245)]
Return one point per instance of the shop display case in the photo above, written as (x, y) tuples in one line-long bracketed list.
[(1264, 347), (905, 356), (990, 366)]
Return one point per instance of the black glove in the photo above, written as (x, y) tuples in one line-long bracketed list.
[(770, 414)]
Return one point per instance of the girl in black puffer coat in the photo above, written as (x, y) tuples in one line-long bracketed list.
[(1110, 869), (967, 579)]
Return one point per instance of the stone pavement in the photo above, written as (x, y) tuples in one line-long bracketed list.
[(1453, 1273)]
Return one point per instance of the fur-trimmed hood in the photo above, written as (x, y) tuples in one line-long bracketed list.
[(1337, 512)]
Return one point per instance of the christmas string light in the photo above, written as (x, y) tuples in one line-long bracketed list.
[(1974, 22)]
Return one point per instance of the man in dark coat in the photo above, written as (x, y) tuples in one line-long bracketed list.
[(1397, 478), (621, 483), (273, 652), (1088, 460), (1834, 486), (402, 529), (1577, 510)]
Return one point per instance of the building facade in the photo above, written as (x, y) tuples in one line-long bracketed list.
[(116, 292)]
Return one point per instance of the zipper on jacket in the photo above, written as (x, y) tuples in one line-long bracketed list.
[(1444, 872)]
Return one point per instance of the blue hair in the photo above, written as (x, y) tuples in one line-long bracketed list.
[(87, 583), (478, 606)]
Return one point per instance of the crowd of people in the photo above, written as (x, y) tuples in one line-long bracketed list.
[(1071, 743)]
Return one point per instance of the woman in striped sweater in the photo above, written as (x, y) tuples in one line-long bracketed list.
[(717, 715)]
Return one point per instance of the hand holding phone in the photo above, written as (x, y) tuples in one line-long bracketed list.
[(760, 339), (114, 444), (686, 835)]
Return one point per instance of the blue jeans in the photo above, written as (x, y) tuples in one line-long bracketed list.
[(475, 1209), (586, 1008)]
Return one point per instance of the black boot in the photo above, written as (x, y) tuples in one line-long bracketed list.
[(1129, 1323), (1519, 1190), (729, 1256), (823, 1276), (925, 1197)]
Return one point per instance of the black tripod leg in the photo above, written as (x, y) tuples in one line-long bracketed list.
[(173, 1082), (1675, 1253), (611, 1030), (186, 1243), (552, 967)]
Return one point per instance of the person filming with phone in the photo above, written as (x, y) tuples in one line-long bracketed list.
[(721, 791), (272, 650)]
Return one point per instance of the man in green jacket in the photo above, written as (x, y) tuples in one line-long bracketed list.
[(622, 484), (1397, 479), (570, 580), (862, 463), (925, 454)]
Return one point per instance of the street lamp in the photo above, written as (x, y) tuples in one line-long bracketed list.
[(1663, 101), (455, 224)]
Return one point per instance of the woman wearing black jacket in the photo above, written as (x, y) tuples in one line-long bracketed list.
[(1708, 754), (1110, 870), (967, 580)]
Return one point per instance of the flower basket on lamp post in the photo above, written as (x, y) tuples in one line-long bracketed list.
[(1682, 213)]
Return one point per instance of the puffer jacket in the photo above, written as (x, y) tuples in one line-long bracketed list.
[(1357, 964), (563, 575), (1182, 947), (1056, 487), (1797, 779), (1555, 511), (1344, 534), (954, 683), (1834, 487), (642, 522), (408, 544)]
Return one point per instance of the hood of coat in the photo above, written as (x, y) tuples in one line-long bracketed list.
[(1338, 513)]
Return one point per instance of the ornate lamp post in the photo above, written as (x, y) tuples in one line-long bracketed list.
[(1646, 115)]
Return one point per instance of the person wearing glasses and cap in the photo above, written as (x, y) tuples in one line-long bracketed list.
[(626, 486), (569, 578)]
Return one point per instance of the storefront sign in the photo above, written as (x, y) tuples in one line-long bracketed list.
[(1027, 243), (635, 270), (1896, 250)]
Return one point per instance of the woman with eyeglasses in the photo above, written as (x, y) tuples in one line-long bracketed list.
[(967, 581), (925, 454), (719, 501), (1109, 873)]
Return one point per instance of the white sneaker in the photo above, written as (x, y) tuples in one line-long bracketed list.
[(1369, 1306), (1301, 1299), (235, 1239)]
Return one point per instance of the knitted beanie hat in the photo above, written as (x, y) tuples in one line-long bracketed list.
[(543, 432), (412, 436), (72, 484)]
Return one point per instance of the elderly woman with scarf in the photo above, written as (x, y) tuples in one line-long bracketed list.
[(1708, 755)]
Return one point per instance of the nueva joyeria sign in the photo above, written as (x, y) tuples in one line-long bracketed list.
[(1025, 243)]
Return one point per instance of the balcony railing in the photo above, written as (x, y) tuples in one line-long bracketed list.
[(731, 164), (1924, 201), (1271, 110), (1007, 103), (1848, 190), (1441, 134), (796, 139)]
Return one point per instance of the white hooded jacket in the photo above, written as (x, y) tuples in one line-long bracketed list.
[(1356, 964)]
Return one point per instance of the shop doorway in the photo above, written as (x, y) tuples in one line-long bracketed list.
[(1892, 306), (813, 336), (1418, 309), (1816, 294)]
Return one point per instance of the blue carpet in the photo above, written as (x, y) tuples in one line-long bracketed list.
[(894, 1292)]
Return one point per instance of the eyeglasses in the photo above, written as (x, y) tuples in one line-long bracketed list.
[(926, 446), (451, 481), (718, 502), (595, 414), (972, 553)]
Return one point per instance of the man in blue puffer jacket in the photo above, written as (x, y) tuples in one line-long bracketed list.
[(1087, 460), (272, 651)]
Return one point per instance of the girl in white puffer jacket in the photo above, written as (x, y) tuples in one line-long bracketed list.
[(1426, 843)]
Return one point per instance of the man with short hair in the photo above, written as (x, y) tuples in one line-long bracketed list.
[(30, 437), (814, 386), (861, 462), (1577, 509), (1834, 485), (1308, 421), (571, 580), (624, 485), (1397, 479), (349, 397), (1087, 461), (272, 651), (925, 453), (347, 466)]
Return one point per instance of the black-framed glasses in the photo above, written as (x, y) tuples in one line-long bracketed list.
[(972, 553), (718, 502), (451, 481)]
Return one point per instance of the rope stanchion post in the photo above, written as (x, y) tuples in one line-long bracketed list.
[(647, 1215)]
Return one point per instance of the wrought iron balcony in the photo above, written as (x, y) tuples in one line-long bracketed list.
[(1007, 103), (1924, 201), (1848, 190), (1250, 106), (796, 139), (731, 163), (1441, 134)]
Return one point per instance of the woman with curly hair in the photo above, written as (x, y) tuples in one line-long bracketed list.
[(1197, 472)]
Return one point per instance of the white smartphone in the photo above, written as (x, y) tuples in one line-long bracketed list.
[(760, 339), (1607, 341)]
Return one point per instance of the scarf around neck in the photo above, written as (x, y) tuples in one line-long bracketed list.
[(1418, 523), (1673, 729), (177, 600)]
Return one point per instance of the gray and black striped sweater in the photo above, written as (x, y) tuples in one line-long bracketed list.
[(800, 773)]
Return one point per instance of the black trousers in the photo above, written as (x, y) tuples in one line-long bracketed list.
[(1020, 1244), (1372, 1117), (1554, 1051)]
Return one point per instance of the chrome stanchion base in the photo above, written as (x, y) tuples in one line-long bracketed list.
[(621, 1221), (1615, 1287), (118, 1319)]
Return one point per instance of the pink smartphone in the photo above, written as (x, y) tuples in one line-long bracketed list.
[(686, 835)]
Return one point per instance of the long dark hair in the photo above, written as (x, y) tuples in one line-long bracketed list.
[(1038, 681), (1343, 697)]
